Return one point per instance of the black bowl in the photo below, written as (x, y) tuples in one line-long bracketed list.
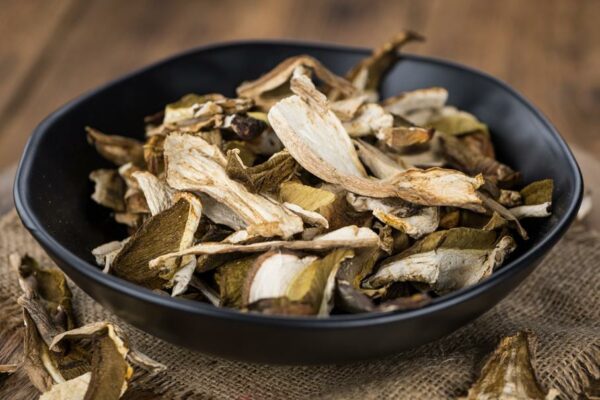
[(52, 196)]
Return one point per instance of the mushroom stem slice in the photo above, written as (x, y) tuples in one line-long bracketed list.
[(347, 237)]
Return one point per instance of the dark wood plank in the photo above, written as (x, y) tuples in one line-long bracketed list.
[(26, 28), (546, 49)]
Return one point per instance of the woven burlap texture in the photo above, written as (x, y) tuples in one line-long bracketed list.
[(559, 302)]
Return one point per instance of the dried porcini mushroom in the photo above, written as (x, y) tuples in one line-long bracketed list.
[(111, 365), (315, 137), (109, 189), (473, 162), (274, 85), (306, 195), (67, 362), (117, 149), (265, 177), (446, 260), (508, 373), (170, 230), (367, 74), (46, 296), (273, 274), (195, 165), (245, 126), (537, 200)]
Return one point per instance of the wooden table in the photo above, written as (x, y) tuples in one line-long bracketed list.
[(52, 51)]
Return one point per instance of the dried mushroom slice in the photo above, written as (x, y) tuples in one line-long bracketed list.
[(111, 366), (315, 284), (106, 253), (309, 217), (274, 85), (537, 200), (307, 197), (315, 138), (117, 149), (367, 75), (272, 275), (46, 296), (508, 373), (194, 165), (244, 153), (446, 260), (153, 154), (379, 163), (168, 231), (158, 195), (472, 162), (346, 109), (245, 126), (454, 122), (510, 198), (218, 213), (417, 106), (265, 177), (109, 189), (230, 278), (350, 299), (313, 134), (193, 106), (135, 201), (355, 270), (182, 278), (399, 137), (405, 217), (370, 119), (496, 207), (347, 237)]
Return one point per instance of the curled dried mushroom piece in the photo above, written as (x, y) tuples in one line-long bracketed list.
[(508, 373), (307, 195)]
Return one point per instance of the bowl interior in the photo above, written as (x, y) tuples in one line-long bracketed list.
[(53, 183)]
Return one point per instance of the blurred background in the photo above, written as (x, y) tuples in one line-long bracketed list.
[(53, 51)]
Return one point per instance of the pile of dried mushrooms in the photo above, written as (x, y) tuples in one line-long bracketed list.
[(66, 361), (307, 194)]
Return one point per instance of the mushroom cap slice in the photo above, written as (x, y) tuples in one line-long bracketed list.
[(195, 165), (446, 260), (272, 275), (508, 373), (168, 231)]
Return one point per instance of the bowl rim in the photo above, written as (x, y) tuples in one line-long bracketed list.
[(92, 272)]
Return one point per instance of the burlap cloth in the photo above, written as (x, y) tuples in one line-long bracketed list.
[(560, 302)]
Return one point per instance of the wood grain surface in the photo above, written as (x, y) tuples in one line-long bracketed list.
[(53, 51)]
